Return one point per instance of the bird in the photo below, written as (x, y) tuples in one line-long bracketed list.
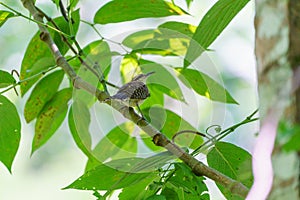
[(134, 92)]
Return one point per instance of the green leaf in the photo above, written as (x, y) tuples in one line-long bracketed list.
[(123, 10), (232, 161), (144, 42), (56, 2), (204, 85), (170, 123), (73, 4), (157, 197), (99, 52), (142, 190), (169, 193), (185, 183), (122, 173), (139, 39), (188, 2), (183, 28), (150, 164), (211, 26), (139, 190), (117, 174), (51, 117), (129, 67), (170, 38), (10, 132), (117, 144), (162, 79), (6, 79), (38, 57), (79, 120), (67, 28), (41, 94), (156, 97), (5, 15)]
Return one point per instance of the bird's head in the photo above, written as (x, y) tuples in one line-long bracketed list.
[(142, 77)]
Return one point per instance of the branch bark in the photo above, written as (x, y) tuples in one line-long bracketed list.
[(158, 138)]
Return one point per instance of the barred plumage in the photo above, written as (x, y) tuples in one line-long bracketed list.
[(135, 91)]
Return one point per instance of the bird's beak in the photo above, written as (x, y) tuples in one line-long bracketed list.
[(150, 73)]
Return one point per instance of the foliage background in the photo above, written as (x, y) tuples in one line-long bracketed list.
[(60, 162)]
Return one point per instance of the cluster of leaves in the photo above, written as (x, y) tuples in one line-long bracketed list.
[(156, 177), (140, 178)]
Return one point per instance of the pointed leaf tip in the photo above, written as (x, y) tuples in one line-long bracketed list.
[(10, 132)]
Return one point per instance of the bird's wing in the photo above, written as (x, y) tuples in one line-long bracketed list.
[(128, 89)]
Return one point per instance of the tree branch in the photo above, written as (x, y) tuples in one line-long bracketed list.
[(158, 138)]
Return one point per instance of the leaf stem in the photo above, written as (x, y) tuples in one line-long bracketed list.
[(27, 79), (103, 38), (224, 133), (9, 88), (33, 20)]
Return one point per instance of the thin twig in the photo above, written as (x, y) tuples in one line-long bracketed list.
[(62, 10), (224, 133), (17, 73), (103, 38), (26, 79), (33, 20), (79, 53), (60, 60), (187, 131)]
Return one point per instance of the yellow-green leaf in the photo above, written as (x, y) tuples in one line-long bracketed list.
[(211, 26), (41, 94), (170, 38), (51, 117), (38, 57), (129, 68), (95, 52), (124, 10), (162, 79), (205, 86), (5, 15), (6, 79)]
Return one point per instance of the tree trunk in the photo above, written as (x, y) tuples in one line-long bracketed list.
[(277, 25)]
